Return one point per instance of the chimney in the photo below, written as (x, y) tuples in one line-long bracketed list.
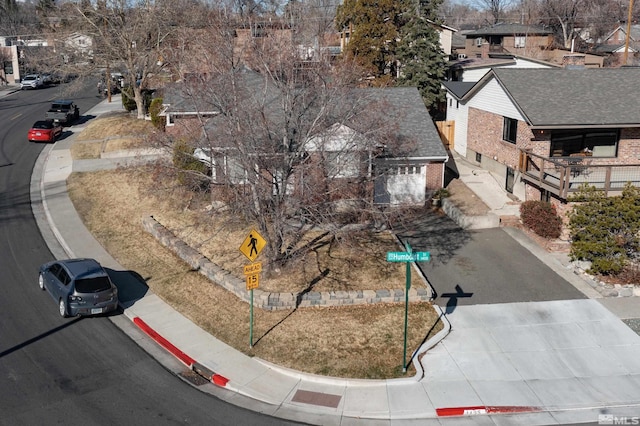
[(574, 61), (484, 50)]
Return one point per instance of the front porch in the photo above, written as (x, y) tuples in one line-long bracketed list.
[(563, 176)]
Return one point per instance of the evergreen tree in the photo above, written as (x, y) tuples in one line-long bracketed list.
[(605, 230), (374, 33), (422, 61)]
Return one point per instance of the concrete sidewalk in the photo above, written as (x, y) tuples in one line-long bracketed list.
[(524, 363)]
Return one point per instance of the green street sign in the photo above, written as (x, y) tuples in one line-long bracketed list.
[(403, 256)]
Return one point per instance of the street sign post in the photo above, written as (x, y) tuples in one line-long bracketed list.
[(403, 256), (407, 257), (252, 245), (251, 248), (253, 281)]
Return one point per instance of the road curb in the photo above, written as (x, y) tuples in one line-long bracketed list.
[(210, 375)]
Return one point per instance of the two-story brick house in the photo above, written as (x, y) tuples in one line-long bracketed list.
[(546, 132), (517, 39)]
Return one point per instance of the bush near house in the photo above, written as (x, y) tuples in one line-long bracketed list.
[(604, 230), (191, 171), (154, 109), (542, 218)]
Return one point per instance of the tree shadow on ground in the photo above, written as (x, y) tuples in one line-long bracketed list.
[(431, 230), (317, 279)]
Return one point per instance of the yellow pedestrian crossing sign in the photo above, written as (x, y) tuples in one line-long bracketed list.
[(252, 245)]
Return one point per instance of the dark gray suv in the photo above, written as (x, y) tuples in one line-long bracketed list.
[(79, 286)]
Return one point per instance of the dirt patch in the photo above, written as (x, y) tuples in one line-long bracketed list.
[(358, 342), (465, 199)]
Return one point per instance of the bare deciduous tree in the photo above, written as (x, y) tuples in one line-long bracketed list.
[(130, 38), (292, 146), (496, 8)]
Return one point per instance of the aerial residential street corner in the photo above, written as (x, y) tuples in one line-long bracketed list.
[(547, 362)]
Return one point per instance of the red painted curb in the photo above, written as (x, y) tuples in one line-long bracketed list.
[(164, 342), (219, 380), (482, 409)]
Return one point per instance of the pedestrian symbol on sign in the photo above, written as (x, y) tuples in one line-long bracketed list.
[(253, 245)]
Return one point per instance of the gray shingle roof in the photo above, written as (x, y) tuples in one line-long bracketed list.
[(458, 88), (414, 122), (402, 105), (607, 97)]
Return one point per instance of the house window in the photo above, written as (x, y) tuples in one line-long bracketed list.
[(479, 41), (509, 129), (478, 157), (8, 67), (170, 120), (520, 41), (342, 164), (591, 143)]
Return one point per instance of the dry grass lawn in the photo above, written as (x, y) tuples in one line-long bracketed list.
[(115, 132), (358, 342)]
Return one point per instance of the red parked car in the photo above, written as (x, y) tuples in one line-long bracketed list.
[(44, 131)]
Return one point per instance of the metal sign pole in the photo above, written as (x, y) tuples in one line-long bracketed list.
[(251, 321), (406, 311)]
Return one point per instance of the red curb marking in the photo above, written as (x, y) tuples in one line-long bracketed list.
[(481, 409), (164, 342), (219, 380)]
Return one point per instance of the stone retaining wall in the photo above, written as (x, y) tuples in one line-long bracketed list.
[(273, 301)]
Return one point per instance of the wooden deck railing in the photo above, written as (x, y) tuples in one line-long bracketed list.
[(562, 176)]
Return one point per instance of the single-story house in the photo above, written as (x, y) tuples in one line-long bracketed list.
[(403, 166)]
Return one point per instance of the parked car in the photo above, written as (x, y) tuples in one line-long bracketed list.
[(44, 131), (79, 286), (47, 79), (31, 81), (63, 111)]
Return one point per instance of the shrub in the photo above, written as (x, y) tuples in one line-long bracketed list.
[(128, 99), (154, 110), (541, 217), (605, 230), (191, 172)]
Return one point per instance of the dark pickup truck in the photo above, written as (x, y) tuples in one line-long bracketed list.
[(63, 112)]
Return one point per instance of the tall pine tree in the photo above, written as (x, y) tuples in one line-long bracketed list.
[(422, 60), (374, 33)]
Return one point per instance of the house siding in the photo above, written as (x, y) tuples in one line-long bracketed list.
[(457, 112), (492, 98)]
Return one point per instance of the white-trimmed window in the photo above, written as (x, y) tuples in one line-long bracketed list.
[(520, 41)]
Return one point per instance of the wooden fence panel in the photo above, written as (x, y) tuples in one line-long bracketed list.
[(446, 131)]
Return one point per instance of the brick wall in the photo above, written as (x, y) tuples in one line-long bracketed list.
[(485, 137), (435, 173)]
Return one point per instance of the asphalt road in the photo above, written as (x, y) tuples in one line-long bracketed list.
[(77, 370), (481, 267)]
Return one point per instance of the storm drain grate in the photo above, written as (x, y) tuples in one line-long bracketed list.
[(317, 398), (194, 378)]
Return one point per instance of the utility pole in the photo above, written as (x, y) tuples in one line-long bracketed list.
[(628, 35), (108, 70)]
